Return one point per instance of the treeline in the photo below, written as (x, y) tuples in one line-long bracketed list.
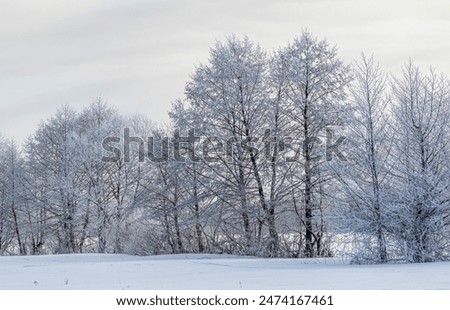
[(284, 154)]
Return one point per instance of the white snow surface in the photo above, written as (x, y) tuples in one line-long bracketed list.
[(197, 271)]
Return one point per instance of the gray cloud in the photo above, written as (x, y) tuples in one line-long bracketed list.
[(138, 54)]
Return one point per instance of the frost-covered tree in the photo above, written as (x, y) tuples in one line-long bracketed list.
[(247, 165), (362, 205), (227, 97), (421, 112), (314, 86), (95, 123), (10, 228), (12, 168), (50, 152)]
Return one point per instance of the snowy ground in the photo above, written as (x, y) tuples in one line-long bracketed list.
[(94, 271)]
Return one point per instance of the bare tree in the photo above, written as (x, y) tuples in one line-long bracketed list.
[(227, 99), (315, 81), (364, 177), (422, 171)]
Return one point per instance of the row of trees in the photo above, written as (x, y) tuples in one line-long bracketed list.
[(292, 154)]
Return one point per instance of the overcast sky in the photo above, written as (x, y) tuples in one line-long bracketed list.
[(137, 54)]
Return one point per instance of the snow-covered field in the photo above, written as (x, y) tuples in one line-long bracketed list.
[(95, 271)]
